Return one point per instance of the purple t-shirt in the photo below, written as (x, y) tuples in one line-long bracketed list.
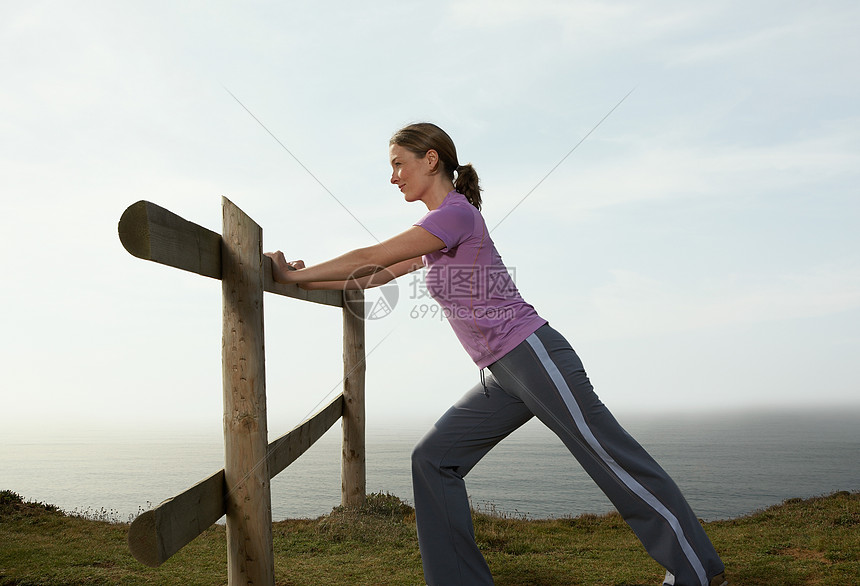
[(468, 279)]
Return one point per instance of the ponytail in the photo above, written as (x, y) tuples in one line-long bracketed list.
[(467, 184)]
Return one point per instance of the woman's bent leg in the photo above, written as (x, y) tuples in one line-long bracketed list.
[(461, 437)]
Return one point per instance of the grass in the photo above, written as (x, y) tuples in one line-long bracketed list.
[(810, 541)]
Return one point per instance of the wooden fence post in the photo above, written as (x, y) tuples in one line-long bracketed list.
[(353, 474), (250, 559)]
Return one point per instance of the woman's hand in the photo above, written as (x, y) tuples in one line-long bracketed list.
[(281, 267)]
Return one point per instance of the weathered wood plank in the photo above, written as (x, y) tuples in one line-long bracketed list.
[(156, 535), (284, 450), (353, 474), (246, 472), (151, 232)]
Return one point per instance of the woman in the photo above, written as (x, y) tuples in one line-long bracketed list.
[(533, 372)]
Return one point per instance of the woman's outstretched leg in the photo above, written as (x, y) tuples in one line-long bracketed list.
[(548, 376)]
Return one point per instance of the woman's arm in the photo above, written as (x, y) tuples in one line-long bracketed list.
[(375, 280), (402, 249)]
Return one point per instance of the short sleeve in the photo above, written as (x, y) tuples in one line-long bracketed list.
[(451, 224)]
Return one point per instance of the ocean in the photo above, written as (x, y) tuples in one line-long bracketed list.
[(726, 466)]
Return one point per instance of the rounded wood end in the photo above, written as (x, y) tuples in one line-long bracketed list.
[(143, 540), (133, 230)]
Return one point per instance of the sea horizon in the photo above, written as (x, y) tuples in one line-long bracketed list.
[(727, 465)]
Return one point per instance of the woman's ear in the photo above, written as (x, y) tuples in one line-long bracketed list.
[(432, 158)]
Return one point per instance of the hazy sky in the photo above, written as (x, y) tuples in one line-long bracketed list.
[(699, 249)]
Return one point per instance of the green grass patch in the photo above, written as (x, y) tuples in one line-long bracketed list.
[(809, 541)]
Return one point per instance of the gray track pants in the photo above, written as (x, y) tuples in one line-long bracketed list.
[(544, 377)]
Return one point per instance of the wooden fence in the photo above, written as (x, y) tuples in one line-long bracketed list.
[(241, 491)]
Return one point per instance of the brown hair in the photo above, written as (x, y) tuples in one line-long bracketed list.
[(424, 136)]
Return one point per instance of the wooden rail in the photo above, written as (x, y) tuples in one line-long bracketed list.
[(241, 491), (157, 534), (153, 233)]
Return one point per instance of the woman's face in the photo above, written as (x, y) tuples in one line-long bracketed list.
[(413, 176)]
